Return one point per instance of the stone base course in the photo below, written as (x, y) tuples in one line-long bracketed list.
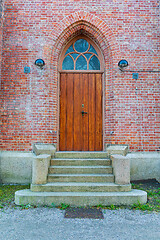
[(16, 167)]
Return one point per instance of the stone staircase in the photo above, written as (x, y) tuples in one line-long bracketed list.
[(80, 179), (86, 172)]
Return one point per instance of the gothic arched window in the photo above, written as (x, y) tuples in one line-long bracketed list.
[(81, 54)]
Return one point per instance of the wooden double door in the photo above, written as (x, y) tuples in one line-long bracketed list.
[(80, 112)]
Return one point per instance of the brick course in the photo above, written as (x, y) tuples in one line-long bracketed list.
[(40, 29)]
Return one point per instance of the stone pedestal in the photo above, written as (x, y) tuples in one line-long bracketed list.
[(121, 169), (40, 169)]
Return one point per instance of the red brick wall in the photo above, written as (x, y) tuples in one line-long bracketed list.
[(40, 29), (1, 33)]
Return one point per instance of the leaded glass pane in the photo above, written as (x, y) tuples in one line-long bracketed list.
[(92, 49), (81, 45), (70, 49), (81, 63), (68, 63), (88, 55), (74, 55), (81, 55), (94, 63)]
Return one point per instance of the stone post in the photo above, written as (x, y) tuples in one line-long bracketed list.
[(121, 169), (40, 169), (42, 148)]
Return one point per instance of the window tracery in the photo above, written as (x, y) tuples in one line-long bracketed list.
[(81, 55)]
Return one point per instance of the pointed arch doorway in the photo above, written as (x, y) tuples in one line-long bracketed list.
[(81, 70)]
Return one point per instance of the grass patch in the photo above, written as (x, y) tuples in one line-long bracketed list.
[(111, 207), (143, 207), (7, 194), (63, 206), (153, 196)]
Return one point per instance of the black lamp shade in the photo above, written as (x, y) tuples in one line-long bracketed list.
[(40, 63), (123, 63)]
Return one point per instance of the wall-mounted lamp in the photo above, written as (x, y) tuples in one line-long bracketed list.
[(122, 64), (40, 63)]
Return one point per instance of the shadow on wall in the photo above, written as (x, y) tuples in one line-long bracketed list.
[(145, 165), (16, 167)]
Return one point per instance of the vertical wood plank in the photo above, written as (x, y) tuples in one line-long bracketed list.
[(85, 118), (62, 145), (69, 112), (92, 112), (79, 132), (98, 116), (77, 113)]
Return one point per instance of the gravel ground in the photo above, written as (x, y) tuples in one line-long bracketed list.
[(50, 224)]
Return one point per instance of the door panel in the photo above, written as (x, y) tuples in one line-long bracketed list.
[(80, 92), (85, 118), (77, 126), (69, 112), (92, 112), (63, 111), (98, 113)]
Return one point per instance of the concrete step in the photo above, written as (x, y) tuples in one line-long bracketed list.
[(80, 169), (80, 178), (80, 162), (80, 187), (80, 155), (24, 197)]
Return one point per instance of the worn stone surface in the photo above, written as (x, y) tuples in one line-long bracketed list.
[(16, 167), (80, 198), (80, 155), (44, 149), (80, 169), (117, 149), (121, 169), (40, 169), (82, 162), (80, 178), (80, 187), (145, 165)]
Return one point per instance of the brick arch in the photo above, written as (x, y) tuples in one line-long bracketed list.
[(96, 29), (81, 27)]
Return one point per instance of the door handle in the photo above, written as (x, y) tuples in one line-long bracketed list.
[(83, 113)]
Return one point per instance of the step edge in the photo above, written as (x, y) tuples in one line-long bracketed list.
[(81, 175), (81, 183), (137, 191), (85, 167)]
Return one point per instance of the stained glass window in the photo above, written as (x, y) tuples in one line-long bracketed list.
[(94, 63), (81, 45), (81, 55), (81, 63), (68, 63)]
